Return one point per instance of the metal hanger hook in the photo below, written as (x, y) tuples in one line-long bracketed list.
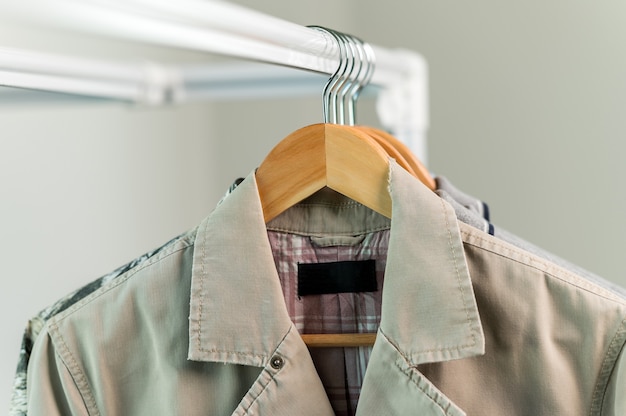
[(355, 69), (361, 78), (342, 83), (346, 108), (328, 94)]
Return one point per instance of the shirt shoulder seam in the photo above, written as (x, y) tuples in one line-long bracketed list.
[(177, 246), (530, 260)]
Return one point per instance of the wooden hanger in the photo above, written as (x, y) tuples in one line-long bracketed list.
[(342, 158)]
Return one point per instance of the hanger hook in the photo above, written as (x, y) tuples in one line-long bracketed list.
[(343, 87), (361, 78), (367, 58), (342, 83), (352, 82), (328, 103)]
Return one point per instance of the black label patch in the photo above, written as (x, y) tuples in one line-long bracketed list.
[(337, 277)]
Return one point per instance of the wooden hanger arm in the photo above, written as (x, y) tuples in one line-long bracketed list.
[(389, 148), (416, 166), (338, 340), (294, 169)]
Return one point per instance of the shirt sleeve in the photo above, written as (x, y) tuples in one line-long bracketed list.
[(51, 387)]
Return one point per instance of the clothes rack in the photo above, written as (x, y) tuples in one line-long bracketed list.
[(226, 29)]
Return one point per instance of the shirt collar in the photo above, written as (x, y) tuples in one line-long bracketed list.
[(238, 313)]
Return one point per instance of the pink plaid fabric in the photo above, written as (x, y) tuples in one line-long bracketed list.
[(340, 369)]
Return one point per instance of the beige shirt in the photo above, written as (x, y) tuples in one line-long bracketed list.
[(469, 325)]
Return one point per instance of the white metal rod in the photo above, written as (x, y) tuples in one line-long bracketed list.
[(221, 28), (209, 26), (92, 88), (20, 60), (150, 83)]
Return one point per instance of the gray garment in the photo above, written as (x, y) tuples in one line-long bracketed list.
[(478, 208)]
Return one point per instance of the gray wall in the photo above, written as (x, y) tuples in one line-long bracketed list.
[(526, 113)]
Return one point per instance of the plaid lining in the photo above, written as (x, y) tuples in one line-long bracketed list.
[(340, 369)]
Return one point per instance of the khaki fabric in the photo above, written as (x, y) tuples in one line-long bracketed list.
[(470, 325)]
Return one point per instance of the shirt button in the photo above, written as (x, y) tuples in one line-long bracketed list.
[(277, 362)]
